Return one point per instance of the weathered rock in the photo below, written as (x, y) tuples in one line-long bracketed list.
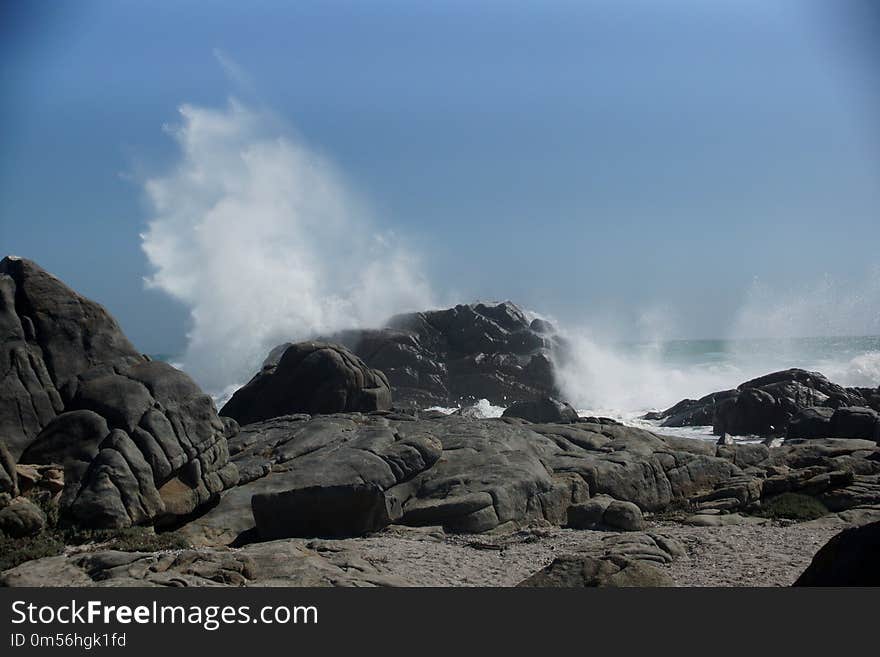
[(811, 422), (603, 512), (737, 492), (589, 514), (274, 563), (849, 559), (137, 440), (744, 455), (21, 517), (458, 355), (581, 571), (309, 377), (625, 516), (850, 491), (855, 422), (544, 410), (641, 546), (466, 475), (40, 480)]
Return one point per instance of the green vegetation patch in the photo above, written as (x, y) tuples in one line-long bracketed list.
[(792, 506)]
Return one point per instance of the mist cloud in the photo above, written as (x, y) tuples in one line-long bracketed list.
[(259, 237)]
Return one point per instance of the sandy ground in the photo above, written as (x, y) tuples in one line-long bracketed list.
[(772, 554)]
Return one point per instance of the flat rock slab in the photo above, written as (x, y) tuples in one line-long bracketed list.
[(274, 563), (723, 520)]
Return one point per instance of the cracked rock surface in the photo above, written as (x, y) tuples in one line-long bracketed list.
[(138, 440)]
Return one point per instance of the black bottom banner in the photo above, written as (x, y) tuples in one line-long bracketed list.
[(230, 621)]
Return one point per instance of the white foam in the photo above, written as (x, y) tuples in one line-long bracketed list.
[(262, 239)]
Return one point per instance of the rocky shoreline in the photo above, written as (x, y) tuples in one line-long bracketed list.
[(325, 470)]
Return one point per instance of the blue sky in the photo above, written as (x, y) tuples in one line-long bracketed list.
[(597, 161)]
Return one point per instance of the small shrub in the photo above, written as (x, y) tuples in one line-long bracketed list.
[(15, 551), (792, 506), (130, 539), (52, 540), (677, 509)]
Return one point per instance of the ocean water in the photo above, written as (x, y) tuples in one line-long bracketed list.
[(626, 380)]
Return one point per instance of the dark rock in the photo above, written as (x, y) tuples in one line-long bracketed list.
[(625, 516), (544, 410), (850, 491), (309, 377), (542, 326), (692, 412), (849, 559), (752, 412), (641, 546), (21, 517), (855, 422), (580, 571), (458, 355), (812, 422), (326, 511), (765, 406), (604, 512), (726, 439), (137, 440)]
